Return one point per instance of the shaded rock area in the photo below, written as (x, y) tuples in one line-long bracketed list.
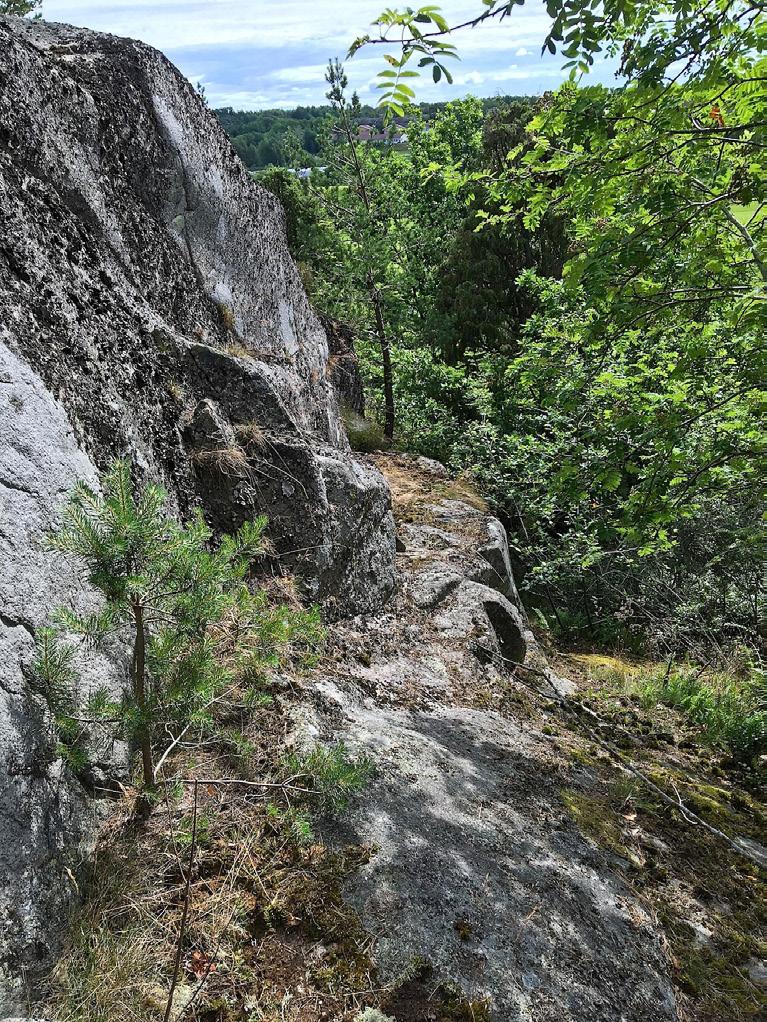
[(478, 872), (343, 365), (150, 309), (142, 271)]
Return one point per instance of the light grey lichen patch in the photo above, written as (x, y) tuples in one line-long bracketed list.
[(45, 816)]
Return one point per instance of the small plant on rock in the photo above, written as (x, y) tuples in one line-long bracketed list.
[(195, 627), (332, 773)]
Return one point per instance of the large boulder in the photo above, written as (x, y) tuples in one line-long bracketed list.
[(150, 309)]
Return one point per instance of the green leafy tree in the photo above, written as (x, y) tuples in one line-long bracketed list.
[(618, 422), (656, 39), (194, 624), (19, 8), (338, 82)]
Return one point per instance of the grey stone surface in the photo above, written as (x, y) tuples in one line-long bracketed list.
[(757, 973), (344, 367), (46, 817), (150, 309), (477, 871), (496, 552), (142, 271)]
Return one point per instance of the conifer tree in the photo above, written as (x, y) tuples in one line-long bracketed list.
[(194, 625)]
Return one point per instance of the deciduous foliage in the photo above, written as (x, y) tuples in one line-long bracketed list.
[(20, 8), (356, 175), (610, 412), (622, 407)]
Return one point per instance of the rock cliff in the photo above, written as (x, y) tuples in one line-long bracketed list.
[(150, 308)]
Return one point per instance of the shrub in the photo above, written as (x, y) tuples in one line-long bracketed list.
[(195, 626)]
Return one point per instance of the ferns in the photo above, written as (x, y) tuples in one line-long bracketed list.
[(731, 710)]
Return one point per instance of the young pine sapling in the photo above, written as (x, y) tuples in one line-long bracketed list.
[(194, 626)]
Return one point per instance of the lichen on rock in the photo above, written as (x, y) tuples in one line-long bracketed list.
[(144, 279)]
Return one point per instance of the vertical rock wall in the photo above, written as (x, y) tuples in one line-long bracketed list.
[(150, 308)]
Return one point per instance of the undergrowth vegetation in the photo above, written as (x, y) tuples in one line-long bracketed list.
[(730, 708), (195, 626), (725, 705), (262, 893)]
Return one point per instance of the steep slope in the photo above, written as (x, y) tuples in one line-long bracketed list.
[(150, 309), (142, 271)]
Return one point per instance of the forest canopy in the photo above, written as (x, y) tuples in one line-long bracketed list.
[(265, 138), (570, 291)]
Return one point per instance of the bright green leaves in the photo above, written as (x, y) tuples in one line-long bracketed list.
[(397, 94), (417, 33), (657, 40)]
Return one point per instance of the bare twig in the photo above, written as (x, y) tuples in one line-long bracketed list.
[(184, 914), (278, 785)]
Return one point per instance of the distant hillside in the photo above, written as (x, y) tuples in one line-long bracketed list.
[(258, 134)]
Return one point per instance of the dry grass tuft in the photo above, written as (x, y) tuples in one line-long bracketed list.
[(283, 589), (268, 934), (227, 316), (251, 435), (239, 350), (176, 391), (227, 461)]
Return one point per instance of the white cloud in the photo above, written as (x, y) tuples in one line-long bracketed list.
[(471, 78), (256, 53), (515, 74)]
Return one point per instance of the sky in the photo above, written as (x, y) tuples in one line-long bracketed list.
[(261, 54)]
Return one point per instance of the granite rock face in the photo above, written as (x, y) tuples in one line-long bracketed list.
[(142, 271), (476, 870), (150, 310), (46, 818)]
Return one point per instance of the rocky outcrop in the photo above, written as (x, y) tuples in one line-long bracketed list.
[(477, 873), (150, 309), (47, 821), (143, 271)]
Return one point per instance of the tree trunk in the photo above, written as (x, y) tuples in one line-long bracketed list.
[(383, 341), (375, 294), (139, 693)]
